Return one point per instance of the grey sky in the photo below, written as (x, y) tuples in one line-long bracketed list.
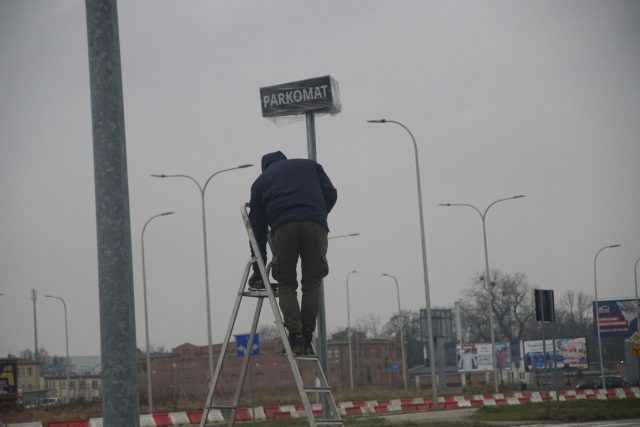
[(532, 97)]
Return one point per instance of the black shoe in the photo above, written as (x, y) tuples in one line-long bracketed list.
[(257, 285), (308, 347), (297, 345)]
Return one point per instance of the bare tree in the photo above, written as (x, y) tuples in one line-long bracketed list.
[(574, 315), (369, 324), (410, 321), (508, 297), (268, 333)]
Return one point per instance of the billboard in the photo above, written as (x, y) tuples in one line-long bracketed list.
[(570, 352), (617, 318), (477, 357)]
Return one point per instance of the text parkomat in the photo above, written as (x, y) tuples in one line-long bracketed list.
[(318, 94)]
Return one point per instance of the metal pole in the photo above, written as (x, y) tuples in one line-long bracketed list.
[(202, 189), (66, 336), (349, 332), (487, 280), (463, 375), (635, 276), (115, 269), (432, 361), (34, 297), (146, 316), (597, 319), (321, 321), (404, 359)]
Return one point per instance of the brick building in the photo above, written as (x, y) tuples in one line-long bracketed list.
[(377, 362), (183, 372)]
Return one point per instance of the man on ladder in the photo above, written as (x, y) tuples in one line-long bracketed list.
[(293, 197)]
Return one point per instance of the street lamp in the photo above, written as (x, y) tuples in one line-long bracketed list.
[(635, 275), (404, 359), (349, 332), (146, 317), (483, 216), (432, 361), (66, 335), (202, 189), (595, 285)]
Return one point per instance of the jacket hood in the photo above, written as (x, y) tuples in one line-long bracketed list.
[(270, 158)]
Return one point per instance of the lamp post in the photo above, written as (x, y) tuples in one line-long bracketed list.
[(349, 332), (202, 189), (66, 336), (432, 361), (595, 285), (483, 216), (635, 276), (404, 359), (146, 316)]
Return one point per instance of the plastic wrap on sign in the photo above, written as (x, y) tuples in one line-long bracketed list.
[(318, 95)]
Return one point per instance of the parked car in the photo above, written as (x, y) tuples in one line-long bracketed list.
[(610, 381)]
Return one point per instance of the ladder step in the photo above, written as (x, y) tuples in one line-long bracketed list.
[(317, 389), (257, 294), (307, 357)]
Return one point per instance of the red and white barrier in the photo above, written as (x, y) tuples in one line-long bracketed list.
[(361, 407)]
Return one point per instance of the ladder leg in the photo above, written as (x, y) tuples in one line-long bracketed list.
[(245, 362), (234, 314)]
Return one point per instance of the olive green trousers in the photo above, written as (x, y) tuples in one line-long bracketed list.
[(307, 241)]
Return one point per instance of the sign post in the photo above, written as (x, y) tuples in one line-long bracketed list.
[(308, 97)]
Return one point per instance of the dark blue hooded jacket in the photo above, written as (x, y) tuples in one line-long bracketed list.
[(289, 190)]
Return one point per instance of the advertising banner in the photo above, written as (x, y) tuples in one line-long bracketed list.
[(477, 357), (570, 352), (617, 318), (503, 355)]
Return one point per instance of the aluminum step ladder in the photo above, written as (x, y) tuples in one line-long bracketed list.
[(330, 413)]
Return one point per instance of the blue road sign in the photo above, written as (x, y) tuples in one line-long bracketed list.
[(394, 367), (242, 343)]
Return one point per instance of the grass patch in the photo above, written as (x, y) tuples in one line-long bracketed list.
[(576, 411)]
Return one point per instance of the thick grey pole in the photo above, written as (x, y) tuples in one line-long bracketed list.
[(115, 269)]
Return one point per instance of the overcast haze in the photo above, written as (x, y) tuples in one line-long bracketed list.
[(533, 97)]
